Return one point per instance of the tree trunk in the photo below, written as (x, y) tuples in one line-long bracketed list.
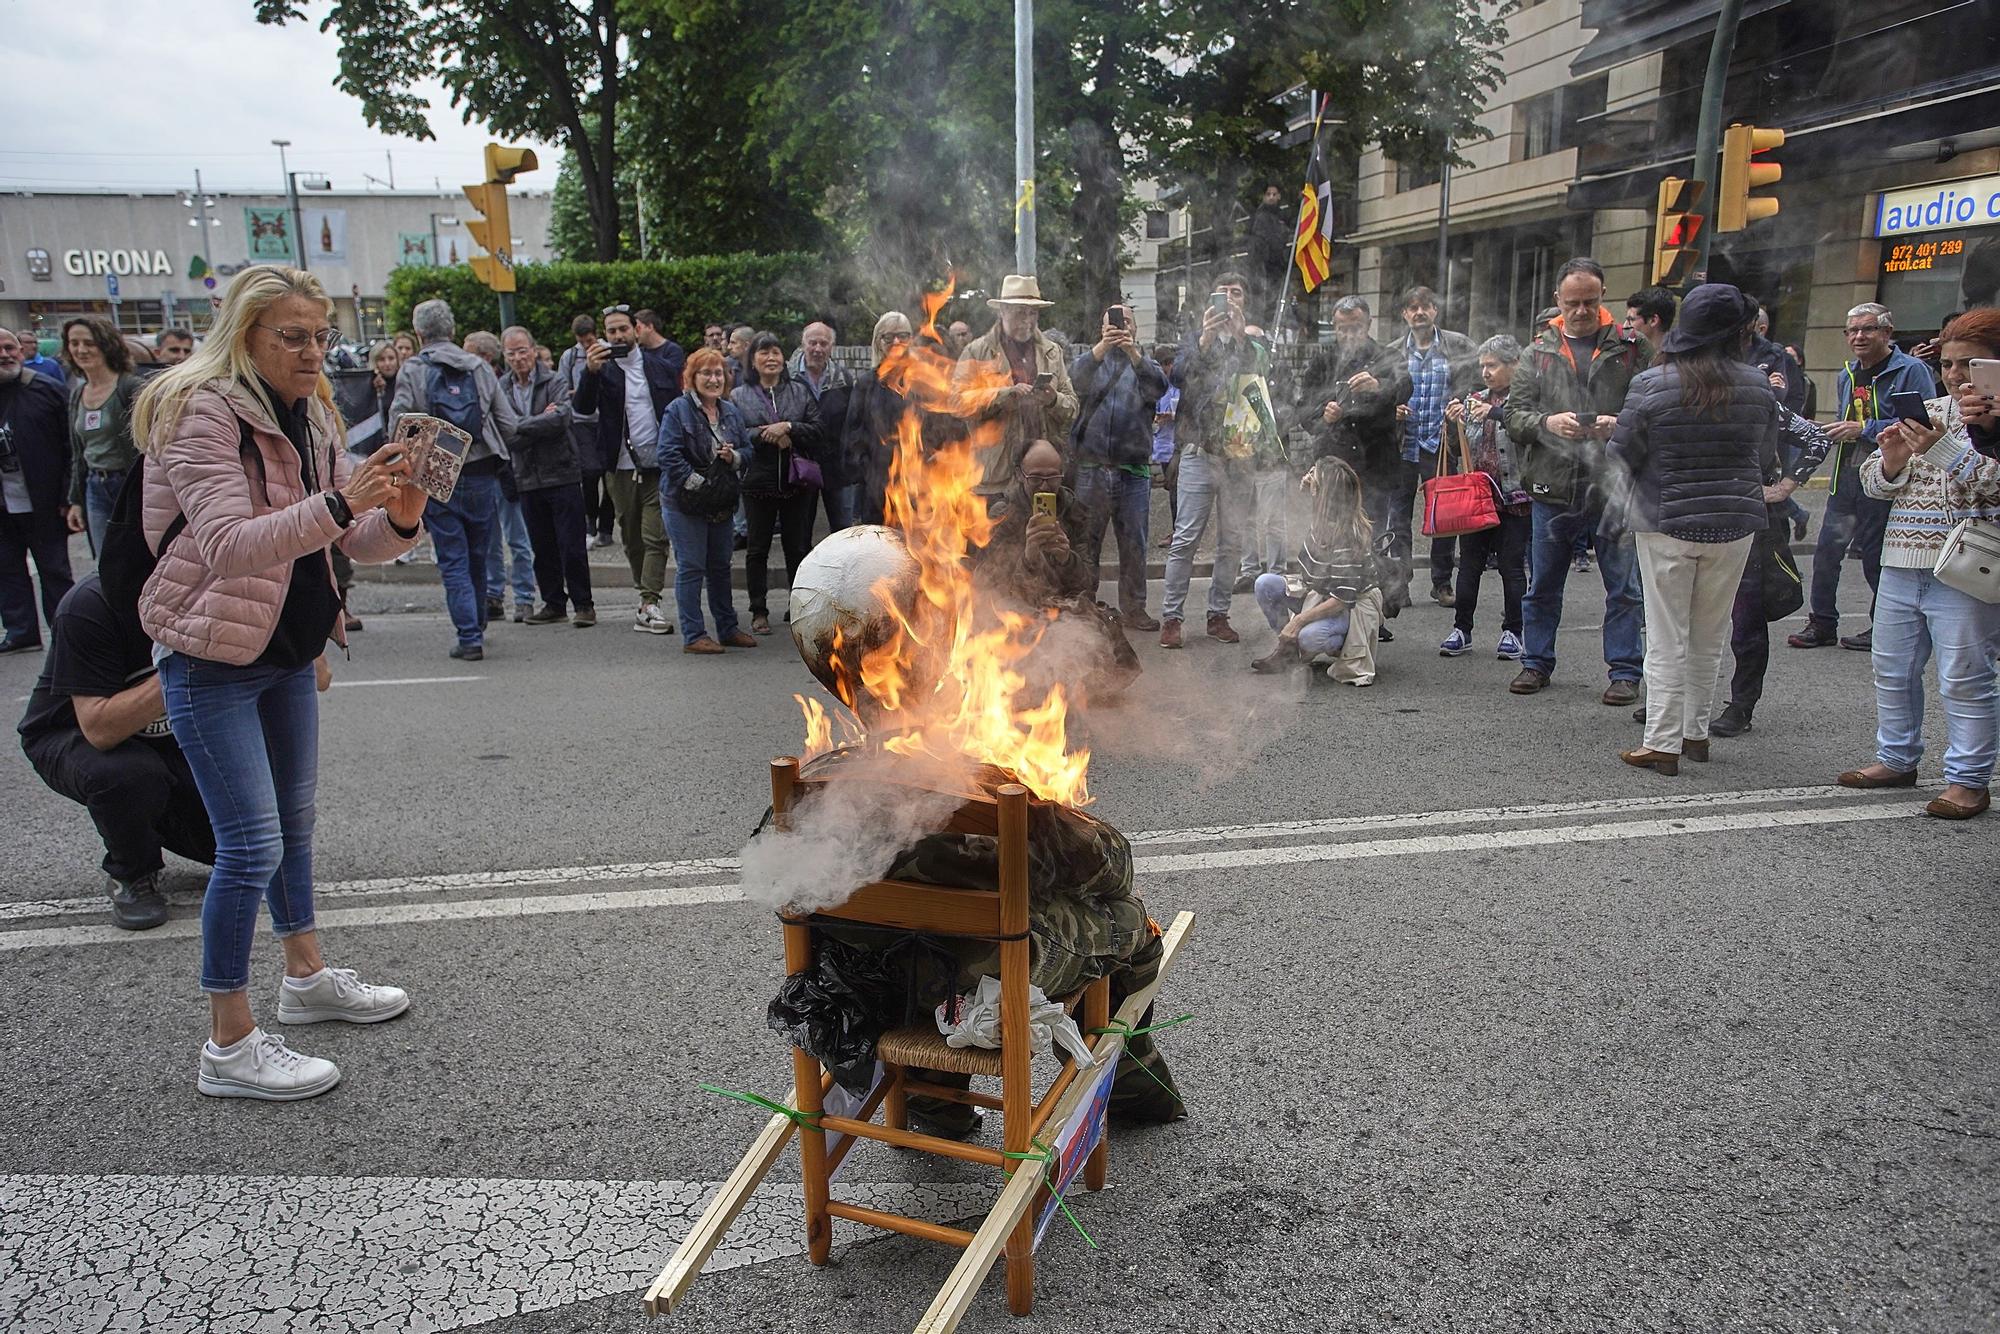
[(1099, 166)]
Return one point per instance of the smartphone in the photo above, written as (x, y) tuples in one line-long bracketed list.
[(1219, 302), (1045, 380), (1045, 503), (1908, 405), (1986, 376), (1115, 317)]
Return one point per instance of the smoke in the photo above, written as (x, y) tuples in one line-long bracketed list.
[(850, 831)]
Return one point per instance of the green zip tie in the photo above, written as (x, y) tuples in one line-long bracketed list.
[(1116, 1027), (1048, 1178), (804, 1120)]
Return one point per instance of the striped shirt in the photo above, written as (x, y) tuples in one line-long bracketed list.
[(1341, 572)]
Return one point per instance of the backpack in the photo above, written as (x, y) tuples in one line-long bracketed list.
[(126, 559), (452, 394)]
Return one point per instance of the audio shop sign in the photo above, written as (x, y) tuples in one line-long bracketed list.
[(82, 263), (1930, 208)]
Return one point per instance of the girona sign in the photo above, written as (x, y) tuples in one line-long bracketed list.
[(81, 263)]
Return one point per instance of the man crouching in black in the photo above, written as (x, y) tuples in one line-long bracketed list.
[(1036, 559), (96, 731)]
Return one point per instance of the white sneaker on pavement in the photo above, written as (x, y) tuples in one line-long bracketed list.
[(262, 1066), (650, 622), (337, 993)]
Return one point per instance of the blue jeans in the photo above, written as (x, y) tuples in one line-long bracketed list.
[(1917, 618), (701, 556), (513, 531), (1124, 501), (251, 738), (1551, 547), (1264, 545), (1205, 486), (460, 529), (99, 490), (1320, 637)]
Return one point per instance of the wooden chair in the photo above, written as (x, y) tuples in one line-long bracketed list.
[(965, 914), (826, 1138)]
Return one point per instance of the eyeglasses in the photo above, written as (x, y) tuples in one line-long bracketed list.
[(897, 338), (1863, 329), (616, 310), (295, 340)]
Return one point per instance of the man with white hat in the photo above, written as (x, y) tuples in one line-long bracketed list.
[(1015, 375)]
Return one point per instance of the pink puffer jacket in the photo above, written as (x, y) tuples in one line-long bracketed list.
[(220, 584)]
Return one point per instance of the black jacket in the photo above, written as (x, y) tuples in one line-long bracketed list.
[(543, 454), (1767, 356), (835, 393), (763, 474), (874, 413), (1559, 471), (36, 412), (603, 392), (1367, 437), (1693, 476)]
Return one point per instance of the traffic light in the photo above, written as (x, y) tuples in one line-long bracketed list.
[(493, 230), (1735, 207), (1675, 229)]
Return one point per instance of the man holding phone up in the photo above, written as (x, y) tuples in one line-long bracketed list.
[(1854, 519), (1119, 387), (1026, 387)]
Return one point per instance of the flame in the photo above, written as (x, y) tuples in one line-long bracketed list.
[(981, 706)]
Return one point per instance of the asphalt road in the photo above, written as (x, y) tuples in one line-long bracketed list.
[(1490, 1031)]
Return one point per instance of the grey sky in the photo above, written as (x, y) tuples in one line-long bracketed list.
[(142, 92)]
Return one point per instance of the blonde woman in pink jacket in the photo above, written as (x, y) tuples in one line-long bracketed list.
[(247, 488)]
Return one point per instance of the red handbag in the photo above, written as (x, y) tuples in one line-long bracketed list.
[(1461, 503)]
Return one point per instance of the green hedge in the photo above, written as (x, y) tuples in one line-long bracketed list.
[(782, 293)]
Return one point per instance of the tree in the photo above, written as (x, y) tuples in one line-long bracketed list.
[(548, 70)]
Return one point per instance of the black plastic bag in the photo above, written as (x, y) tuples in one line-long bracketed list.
[(836, 1010)]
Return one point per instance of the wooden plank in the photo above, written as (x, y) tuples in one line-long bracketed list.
[(897, 903), (714, 1223), (955, 1298)]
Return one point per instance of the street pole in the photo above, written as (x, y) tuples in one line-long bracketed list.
[(1708, 132), (201, 210), (1024, 135), (298, 215), (1444, 241)]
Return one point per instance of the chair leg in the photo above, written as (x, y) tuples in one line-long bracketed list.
[(812, 1162), (895, 1102), (1021, 1264), (1096, 1015)]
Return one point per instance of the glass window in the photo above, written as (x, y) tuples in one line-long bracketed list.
[(1552, 121), (1413, 176), (1157, 228)]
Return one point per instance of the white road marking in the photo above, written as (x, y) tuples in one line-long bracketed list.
[(615, 872), (239, 1254), (680, 896), (406, 681)]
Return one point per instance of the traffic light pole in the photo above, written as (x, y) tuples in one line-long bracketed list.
[(1024, 136), (1708, 130)]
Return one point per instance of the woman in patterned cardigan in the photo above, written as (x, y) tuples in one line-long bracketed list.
[(1933, 478)]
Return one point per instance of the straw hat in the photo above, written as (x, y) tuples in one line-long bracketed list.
[(1019, 289)]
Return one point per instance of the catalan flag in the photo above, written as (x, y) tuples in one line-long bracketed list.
[(1314, 245)]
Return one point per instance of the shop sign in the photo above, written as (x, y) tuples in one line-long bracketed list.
[(1921, 256), (270, 232), (1930, 208), (82, 263)]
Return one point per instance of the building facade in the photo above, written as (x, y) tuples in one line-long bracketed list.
[(138, 256), (1891, 187)]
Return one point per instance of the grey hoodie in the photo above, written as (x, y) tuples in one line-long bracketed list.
[(411, 396)]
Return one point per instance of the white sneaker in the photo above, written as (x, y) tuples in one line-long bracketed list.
[(262, 1066), (337, 993), (650, 622)]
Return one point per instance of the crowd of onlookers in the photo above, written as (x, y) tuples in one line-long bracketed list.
[(227, 486)]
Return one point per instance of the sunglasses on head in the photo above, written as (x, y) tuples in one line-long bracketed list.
[(617, 310)]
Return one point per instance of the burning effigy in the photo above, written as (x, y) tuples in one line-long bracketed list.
[(943, 887)]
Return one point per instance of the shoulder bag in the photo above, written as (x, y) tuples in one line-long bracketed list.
[(1970, 559), (1459, 503)]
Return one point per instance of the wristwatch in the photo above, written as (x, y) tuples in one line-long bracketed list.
[(337, 505)]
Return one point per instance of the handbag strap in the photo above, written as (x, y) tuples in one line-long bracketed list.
[(1464, 444)]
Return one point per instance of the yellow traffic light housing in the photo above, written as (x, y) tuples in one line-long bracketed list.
[(1735, 207), (493, 230), (1675, 230)]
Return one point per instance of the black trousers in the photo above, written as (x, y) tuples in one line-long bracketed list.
[(45, 537), (791, 517), (1749, 633), (141, 797), (598, 511), (556, 529), (1510, 540)]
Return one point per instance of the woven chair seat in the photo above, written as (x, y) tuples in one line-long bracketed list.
[(923, 1046)]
